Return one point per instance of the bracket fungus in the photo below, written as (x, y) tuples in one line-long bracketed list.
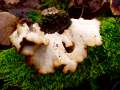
[(46, 51)]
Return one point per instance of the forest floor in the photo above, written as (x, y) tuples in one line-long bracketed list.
[(99, 71)]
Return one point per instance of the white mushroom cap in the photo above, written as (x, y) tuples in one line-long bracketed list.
[(17, 36), (83, 33), (23, 32), (88, 30)]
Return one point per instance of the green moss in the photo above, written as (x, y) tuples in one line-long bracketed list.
[(103, 60), (35, 16)]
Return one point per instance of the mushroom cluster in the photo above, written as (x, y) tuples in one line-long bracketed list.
[(47, 51)]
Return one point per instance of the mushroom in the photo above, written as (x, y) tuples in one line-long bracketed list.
[(23, 31), (84, 33), (48, 57), (43, 56), (46, 51)]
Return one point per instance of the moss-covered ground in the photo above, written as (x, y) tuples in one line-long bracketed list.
[(101, 66), (96, 72)]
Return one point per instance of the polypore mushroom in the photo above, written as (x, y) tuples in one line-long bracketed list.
[(84, 33), (44, 57), (23, 31), (53, 55), (49, 50), (87, 30)]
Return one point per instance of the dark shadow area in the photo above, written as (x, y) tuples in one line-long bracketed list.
[(76, 12), (85, 85), (1, 83), (13, 88), (102, 82), (3, 47)]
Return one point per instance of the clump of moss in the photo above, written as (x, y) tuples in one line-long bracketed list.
[(103, 60), (35, 16)]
